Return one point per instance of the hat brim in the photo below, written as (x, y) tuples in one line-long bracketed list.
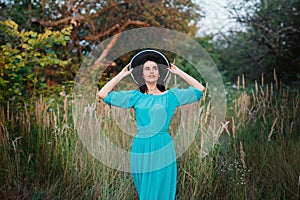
[(140, 58)]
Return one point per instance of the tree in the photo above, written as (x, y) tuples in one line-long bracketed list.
[(95, 20), (25, 59), (272, 37)]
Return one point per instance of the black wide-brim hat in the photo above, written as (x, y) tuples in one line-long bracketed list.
[(140, 58)]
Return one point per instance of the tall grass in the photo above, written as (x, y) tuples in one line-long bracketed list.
[(256, 157)]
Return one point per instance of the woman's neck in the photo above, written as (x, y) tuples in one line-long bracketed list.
[(152, 88)]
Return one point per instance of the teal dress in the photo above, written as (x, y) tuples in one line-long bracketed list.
[(153, 156)]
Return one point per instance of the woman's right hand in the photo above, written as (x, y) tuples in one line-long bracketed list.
[(125, 71), (114, 81)]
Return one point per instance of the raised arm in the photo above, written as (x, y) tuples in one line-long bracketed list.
[(189, 79), (109, 86)]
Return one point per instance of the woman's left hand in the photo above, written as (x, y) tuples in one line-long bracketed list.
[(174, 69)]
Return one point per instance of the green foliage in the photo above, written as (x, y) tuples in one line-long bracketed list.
[(25, 58), (269, 40), (21, 12), (92, 22), (275, 26), (240, 55)]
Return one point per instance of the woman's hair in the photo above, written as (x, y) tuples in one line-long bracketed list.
[(144, 89)]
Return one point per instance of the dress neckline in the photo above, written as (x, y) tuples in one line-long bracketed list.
[(155, 95)]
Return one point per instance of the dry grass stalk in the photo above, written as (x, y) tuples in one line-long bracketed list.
[(58, 114), (5, 150), (242, 155), (267, 93), (271, 93), (38, 110), (66, 110), (233, 127), (48, 120), (243, 105), (224, 126), (41, 113), (253, 97), (262, 96), (205, 92), (54, 121), (27, 119), (295, 104), (256, 89), (243, 81), (282, 126), (7, 111), (4, 135), (214, 128), (207, 113), (238, 83), (12, 120), (2, 114), (272, 129), (275, 79)]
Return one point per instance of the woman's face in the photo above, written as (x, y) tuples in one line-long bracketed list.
[(150, 72)]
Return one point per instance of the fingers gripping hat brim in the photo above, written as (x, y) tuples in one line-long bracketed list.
[(140, 58)]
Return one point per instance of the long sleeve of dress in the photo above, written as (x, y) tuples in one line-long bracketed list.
[(187, 96), (122, 99)]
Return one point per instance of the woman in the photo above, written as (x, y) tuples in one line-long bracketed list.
[(153, 157)]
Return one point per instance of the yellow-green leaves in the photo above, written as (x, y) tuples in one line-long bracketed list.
[(26, 56), (11, 24)]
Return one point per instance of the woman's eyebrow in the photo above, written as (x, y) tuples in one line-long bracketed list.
[(152, 66)]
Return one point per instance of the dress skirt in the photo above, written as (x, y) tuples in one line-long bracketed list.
[(153, 166)]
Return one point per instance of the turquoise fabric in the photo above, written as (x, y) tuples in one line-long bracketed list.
[(153, 157)]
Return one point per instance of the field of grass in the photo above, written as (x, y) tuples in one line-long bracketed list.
[(256, 157)]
